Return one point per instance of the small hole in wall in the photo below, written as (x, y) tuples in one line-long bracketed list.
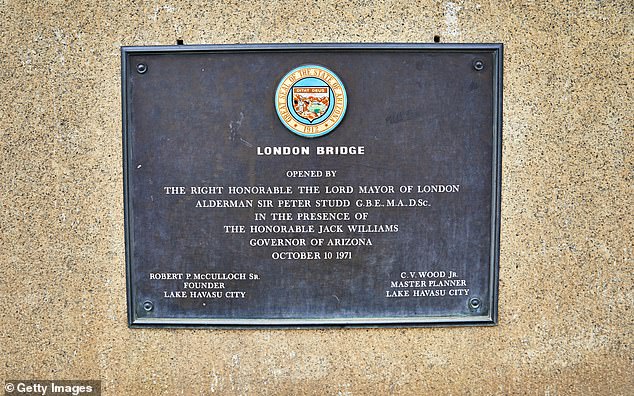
[(179, 42), (436, 39)]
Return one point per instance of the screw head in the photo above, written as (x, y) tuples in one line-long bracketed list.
[(475, 303), (141, 68), (148, 306), (478, 64)]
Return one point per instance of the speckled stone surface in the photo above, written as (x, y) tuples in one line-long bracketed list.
[(566, 276)]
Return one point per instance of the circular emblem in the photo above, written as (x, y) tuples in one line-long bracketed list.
[(311, 101)]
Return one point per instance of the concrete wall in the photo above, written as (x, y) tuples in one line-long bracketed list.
[(566, 319)]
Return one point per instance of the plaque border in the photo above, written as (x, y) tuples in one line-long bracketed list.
[(490, 319)]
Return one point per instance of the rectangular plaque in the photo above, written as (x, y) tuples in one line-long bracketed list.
[(312, 185)]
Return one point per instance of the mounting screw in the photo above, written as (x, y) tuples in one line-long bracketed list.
[(148, 306), (475, 303), (141, 68), (478, 64)]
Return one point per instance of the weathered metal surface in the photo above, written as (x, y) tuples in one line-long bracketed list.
[(425, 115)]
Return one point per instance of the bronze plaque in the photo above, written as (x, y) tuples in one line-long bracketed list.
[(312, 185)]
